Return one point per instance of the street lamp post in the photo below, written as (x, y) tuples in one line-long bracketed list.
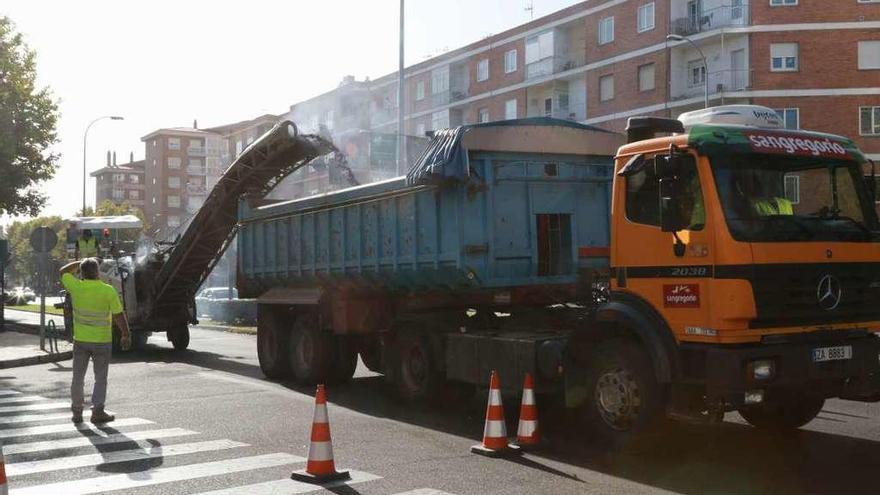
[(677, 37), (85, 140)]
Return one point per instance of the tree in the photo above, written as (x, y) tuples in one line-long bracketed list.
[(23, 262), (28, 117)]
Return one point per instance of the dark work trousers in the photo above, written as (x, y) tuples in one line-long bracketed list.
[(100, 355)]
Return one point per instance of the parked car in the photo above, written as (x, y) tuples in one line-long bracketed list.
[(20, 295), (214, 303)]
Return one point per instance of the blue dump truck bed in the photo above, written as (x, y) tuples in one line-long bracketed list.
[(520, 203)]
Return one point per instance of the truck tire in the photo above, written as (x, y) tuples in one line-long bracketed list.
[(624, 400), (416, 372), (272, 343), (139, 340), (788, 412), (179, 337), (344, 361), (311, 351)]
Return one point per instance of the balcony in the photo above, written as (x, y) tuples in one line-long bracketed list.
[(195, 151), (192, 170), (722, 81), (707, 20)]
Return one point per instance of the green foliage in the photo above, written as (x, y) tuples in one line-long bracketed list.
[(23, 263), (28, 117)]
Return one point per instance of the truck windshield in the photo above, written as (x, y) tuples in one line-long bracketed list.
[(774, 198)]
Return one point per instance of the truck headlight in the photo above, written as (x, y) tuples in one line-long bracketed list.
[(762, 369)]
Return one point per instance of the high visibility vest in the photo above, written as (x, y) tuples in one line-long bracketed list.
[(773, 206), (88, 248), (94, 303)]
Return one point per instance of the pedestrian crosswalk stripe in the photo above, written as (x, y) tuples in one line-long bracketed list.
[(26, 418), (70, 443), (42, 406), (160, 475), (60, 428), (424, 491), (287, 486), (9, 392), (116, 456), (21, 398)]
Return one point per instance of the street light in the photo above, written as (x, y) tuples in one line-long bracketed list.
[(677, 37), (85, 137)]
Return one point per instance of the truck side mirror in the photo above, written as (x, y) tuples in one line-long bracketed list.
[(670, 206)]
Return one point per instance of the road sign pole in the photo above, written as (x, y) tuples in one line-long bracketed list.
[(42, 276)]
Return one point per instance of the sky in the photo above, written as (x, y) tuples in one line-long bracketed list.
[(162, 63)]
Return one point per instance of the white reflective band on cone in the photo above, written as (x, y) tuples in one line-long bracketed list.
[(495, 429), (494, 397), (528, 397), (320, 414), (526, 428), (321, 451)]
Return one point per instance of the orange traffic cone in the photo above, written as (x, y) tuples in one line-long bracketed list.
[(495, 432), (320, 467), (527, 433), (4, 490)]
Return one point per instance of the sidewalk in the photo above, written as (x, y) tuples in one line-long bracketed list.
[(20, 346)]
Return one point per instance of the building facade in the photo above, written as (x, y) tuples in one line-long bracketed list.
[(599, 62), (120, 183)]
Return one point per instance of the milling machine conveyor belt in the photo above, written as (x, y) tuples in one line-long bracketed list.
[(273, 156)]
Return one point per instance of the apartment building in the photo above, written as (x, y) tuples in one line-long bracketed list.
[(599, 62), (120, 183)]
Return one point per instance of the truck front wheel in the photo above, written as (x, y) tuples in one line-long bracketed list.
[(272, 343), (624, 399), (786, 412), (417, 374), (179, 337)]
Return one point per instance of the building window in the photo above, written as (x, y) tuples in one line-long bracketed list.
[(483, 115), (869, 121), (777, 3), (440, 80), (134, 179), (646, 17), (509, 61), (869, 55), (510, 109), (420, 129), (118, 194), (790, 117), (173, 162), (539, 47), (173, 143), (606, 30), (420, 90), (440, 120), (118, 177), (174, 201), (174, 182), (793, 188), (195, 143), (154, 181), (483, 70), (783, 57), (646, 77), (134, 194), (154, 199), (696, 73), (239, 146), (606, 88), (173, 221), (155, 141)]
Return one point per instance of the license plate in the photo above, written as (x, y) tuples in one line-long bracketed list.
[(836, 353)]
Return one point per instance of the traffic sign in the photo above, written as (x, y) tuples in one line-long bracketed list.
[(43, 239)]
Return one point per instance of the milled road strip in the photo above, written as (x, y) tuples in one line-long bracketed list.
[(160, 475), (148, 451), (70, 443)]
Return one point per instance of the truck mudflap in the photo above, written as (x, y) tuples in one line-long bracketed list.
[(848, 368)]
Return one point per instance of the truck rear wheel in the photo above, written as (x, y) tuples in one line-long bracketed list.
[(787, 412), (139, 340), (417, 372), (624, 400), (272, 344), (344, 361), (311, 350), (179, 337)]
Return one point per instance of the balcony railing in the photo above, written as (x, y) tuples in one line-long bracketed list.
[(724, 16), (555, 65), (196, 170), (722, 81), (195, 151)]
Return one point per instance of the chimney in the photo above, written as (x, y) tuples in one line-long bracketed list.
[(195, 124), (114, 158), (108, 158), (131, 157)]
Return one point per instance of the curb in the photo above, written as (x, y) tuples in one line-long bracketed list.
[(221, 328), (38, 359)]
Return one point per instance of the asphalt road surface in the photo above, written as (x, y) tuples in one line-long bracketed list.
[(205, 421)]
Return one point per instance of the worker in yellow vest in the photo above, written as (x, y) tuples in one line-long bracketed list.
[(86, 246), (96, 307), (766, 207)]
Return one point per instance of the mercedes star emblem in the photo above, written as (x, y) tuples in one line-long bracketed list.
[(829, 292)]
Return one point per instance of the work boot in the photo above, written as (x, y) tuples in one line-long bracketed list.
[(77, 417), (99, 416)]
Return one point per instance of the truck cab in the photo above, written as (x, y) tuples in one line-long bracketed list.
[(747, 259)]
